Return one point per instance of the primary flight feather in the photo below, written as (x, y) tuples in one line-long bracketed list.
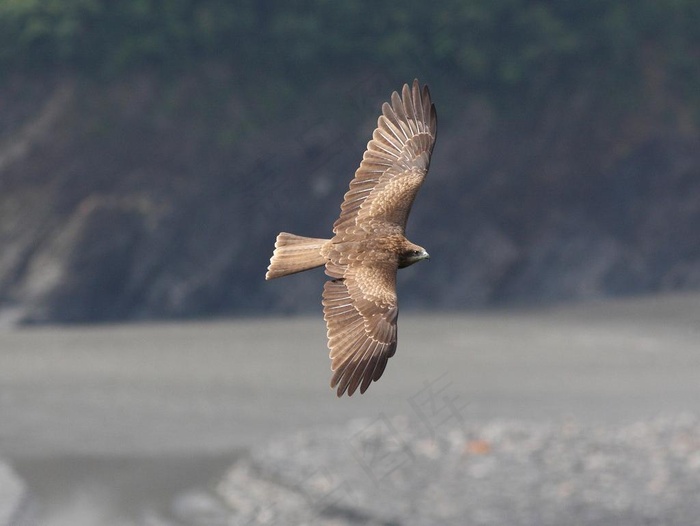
[(368, 247)]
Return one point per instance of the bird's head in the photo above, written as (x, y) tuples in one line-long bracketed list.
[(412, 254)]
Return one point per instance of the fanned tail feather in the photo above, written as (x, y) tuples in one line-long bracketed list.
[(295, 254)]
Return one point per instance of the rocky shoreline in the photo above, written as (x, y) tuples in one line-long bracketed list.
[(394, 472)]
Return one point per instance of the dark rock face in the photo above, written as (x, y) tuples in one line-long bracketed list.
[(162, 199), (81, 270)]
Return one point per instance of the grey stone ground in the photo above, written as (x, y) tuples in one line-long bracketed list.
[(501, 472)]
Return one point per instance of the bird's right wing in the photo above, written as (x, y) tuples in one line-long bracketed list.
[(360, 310)]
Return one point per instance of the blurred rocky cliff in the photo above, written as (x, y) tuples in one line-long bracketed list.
[(149, 197)]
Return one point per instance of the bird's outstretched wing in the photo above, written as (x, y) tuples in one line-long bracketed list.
[(360, 310), (394, 165)]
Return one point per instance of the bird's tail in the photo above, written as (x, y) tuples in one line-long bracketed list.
[(295, 254)]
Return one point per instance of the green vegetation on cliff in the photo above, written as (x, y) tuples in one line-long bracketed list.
[(517, 46)]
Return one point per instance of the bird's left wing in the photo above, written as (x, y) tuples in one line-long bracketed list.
[(360, 310), (394, 165)]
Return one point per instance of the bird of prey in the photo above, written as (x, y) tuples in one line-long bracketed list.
[(359, 302)]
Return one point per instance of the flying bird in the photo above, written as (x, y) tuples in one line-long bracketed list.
[(360, 306)]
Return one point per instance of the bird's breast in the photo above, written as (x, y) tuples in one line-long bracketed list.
[(366, 248)]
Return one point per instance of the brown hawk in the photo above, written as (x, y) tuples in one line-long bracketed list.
[(359, 304)]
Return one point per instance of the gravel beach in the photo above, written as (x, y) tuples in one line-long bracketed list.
[(400, 472)]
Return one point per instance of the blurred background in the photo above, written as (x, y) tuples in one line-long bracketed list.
[(150, 151)]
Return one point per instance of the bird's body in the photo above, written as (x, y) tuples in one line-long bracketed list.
[(369, 245)]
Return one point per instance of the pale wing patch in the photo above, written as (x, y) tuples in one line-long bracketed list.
[(394, 199)]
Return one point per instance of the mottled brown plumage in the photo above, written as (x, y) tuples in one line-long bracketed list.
[(359, 304)]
